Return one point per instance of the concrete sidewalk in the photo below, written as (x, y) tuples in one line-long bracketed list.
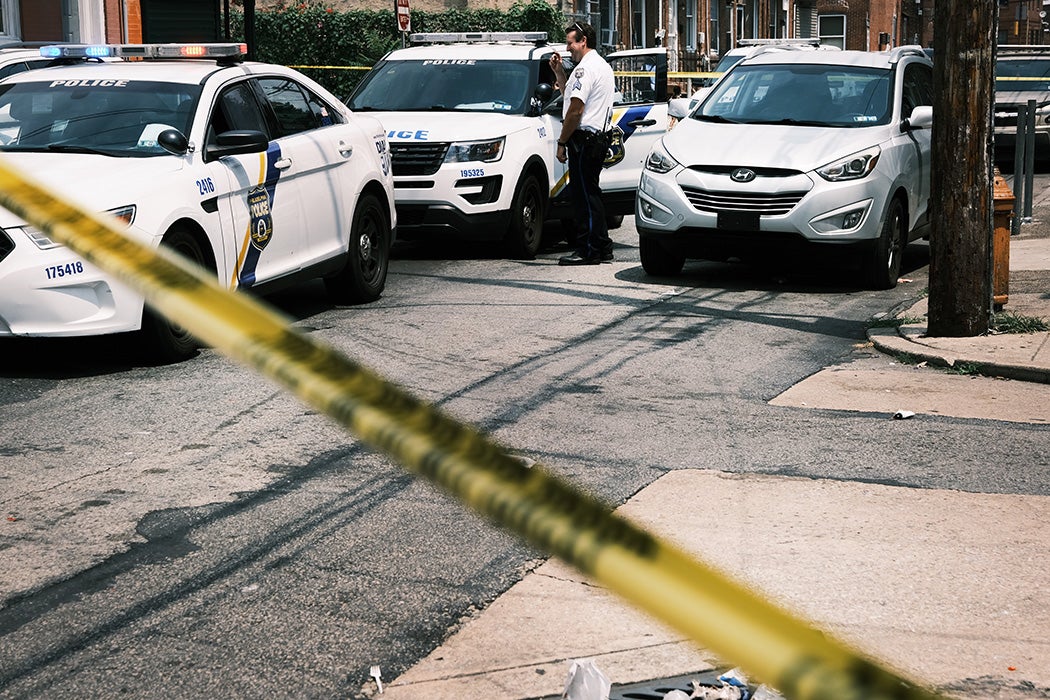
[(1023, 356), (976, 623), (844, 555)]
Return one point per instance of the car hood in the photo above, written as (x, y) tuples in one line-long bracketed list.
[(425, 127), (80, 178), (1013, 98), (692, 142)]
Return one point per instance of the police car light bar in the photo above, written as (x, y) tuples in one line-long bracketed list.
[(215, 51), (476, 37)]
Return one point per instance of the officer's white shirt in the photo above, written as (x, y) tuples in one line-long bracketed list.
[(592, 82)]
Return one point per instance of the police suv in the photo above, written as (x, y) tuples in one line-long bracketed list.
[(251, 170), (473, 123)]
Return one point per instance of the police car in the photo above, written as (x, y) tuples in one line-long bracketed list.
[(17, 57), (252, 170), (473, 123)]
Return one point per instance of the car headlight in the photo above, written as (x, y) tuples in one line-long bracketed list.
[(43, 242), (471, 151), (852, 167), (659, 161)]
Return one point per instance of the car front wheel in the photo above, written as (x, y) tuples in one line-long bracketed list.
[(526, 219), (658, 260), (363, 277), (167, 342), (883, 263)]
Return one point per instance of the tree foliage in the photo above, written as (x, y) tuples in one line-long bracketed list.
[(311, 34)]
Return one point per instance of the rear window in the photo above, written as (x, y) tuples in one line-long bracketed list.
[(1022, 73)]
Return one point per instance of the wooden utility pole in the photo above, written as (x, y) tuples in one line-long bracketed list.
[(961, 198)]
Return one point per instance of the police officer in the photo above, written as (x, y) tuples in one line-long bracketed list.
[(587, 105)]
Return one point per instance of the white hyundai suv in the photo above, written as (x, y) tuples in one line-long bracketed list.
[(796, 151)]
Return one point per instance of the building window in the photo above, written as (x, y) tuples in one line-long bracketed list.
[(832, 30), (638, 32), (690, 25), (608, 23), (715, 40), (805, 18), (9, 19)]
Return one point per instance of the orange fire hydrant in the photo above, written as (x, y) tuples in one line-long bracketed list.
[(1003, 209)]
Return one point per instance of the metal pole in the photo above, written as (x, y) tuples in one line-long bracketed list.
[(1029, 156), (1018, 183)]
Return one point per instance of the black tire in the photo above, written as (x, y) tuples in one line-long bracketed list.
[(166, 342), (658, 260), (613, 221), (527, 213), (882, 265), (363, 277)]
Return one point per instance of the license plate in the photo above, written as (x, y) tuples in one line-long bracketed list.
[(737, 221)]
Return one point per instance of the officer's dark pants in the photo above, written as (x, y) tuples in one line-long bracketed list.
[(586, 155)]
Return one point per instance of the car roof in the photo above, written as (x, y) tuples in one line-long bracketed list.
[(1021, 50), (872, 59), (473, 51), (167, 71)]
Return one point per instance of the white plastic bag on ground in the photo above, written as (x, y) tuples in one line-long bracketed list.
[(586, 682)]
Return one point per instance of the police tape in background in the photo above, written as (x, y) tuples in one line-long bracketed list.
[(548, 512)]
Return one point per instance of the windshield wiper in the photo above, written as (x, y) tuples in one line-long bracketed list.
[(72, 148), (792, 122), (715, 118)]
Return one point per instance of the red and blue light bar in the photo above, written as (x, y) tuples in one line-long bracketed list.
[(215, 51)]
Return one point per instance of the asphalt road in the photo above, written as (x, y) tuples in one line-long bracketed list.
[(190, 529)]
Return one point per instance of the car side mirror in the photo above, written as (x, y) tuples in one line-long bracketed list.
[(173, 141), (921, 118), (544, 92), (234, 143)]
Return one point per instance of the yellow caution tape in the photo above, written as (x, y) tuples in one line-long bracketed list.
[(657, 577), (334, 67)]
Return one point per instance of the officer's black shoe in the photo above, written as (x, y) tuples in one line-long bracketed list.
[(606, 256), (577, 259)]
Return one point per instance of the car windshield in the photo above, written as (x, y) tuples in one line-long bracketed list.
[(446, 85), (110, 117), (800, 94), (1023, 74)]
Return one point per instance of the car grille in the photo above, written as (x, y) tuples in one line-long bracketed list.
[(755, 202), (6, 244), (417, 158)]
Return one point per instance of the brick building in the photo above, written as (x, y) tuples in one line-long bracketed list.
[(1023, 22), (113, 20)]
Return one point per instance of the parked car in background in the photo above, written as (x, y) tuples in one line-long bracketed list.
[(473, 122), (251, 170), (794, 152), (1022, 73), (16, 57), (748, 47)]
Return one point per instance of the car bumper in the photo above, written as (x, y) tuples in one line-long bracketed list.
[(1006, 139), (818, 216), (55, 293), (469, 201)]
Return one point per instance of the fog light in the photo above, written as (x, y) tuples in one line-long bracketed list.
[(647, 209), (852, 219), (844, 220)]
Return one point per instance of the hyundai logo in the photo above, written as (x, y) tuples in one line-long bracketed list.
[(742, 175)]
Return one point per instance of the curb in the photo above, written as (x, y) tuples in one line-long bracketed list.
[(891, 342)]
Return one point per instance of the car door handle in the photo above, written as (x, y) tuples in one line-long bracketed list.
[(345, 150), (641, 122), (283, 163)]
